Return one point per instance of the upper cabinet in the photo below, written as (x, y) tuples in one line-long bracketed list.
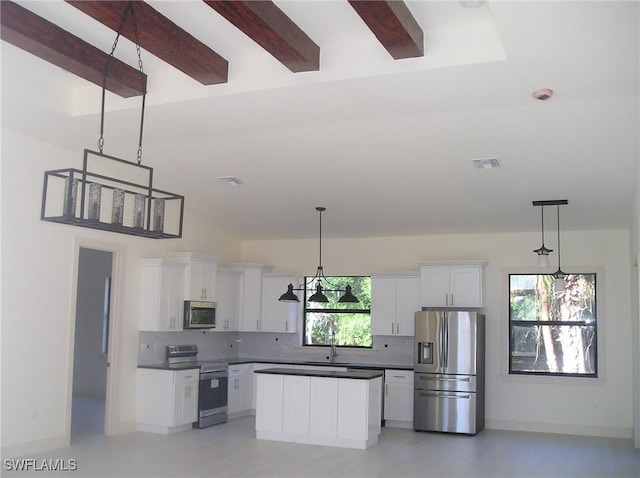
[(278, 316), (451, 284), (228, 300), (249, 295), (161, 295), (200, 277), (394, 300)]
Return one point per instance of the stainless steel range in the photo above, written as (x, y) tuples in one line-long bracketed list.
[(213, 385)]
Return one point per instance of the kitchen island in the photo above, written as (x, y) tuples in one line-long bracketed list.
[(332, 408)]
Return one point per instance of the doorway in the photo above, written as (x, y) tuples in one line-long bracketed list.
[(91, 343)]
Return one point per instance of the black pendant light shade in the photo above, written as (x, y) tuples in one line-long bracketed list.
[(319, 278), (289, 296), (348, 296), (318, 296)]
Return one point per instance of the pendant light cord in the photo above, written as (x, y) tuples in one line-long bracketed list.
[(558, 206)]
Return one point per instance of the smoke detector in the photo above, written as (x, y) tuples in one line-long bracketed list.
[(542, 94), (229, 180)]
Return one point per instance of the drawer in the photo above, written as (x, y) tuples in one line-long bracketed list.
[(398, 376), (238, 370)]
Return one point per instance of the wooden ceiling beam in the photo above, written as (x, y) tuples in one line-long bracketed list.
[(393, 25), (160, 37), (34, 34), (269, 27)]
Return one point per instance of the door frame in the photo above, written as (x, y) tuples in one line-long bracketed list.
[(114, 349)]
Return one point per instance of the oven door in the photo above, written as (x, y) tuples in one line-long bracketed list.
[(212, 393)]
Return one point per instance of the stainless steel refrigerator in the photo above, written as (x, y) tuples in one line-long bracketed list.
[(449, 371)]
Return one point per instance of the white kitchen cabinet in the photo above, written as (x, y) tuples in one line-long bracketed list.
[(240, 390), (323, 400), (451, 284), (278, 316), (228, 300), (398, 398), (250, 295), (161, 295), (262, 366), (200, 276), (167, 401), (394, 300)]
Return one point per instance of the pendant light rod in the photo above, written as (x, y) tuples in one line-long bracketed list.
[(347, 297)]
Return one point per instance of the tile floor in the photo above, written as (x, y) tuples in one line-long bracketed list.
[(231, 450)]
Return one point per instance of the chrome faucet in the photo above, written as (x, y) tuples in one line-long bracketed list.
[(334, 352)]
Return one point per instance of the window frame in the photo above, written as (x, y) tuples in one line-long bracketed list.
[(595, 324), (309, 286)]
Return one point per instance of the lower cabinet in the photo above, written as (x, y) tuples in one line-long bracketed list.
[(317, 410), (167, 401), (398, 398), (240, 390)]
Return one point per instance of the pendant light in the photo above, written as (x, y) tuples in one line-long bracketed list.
[(542, 251), (559, 276), (74, 196), (320, 279)]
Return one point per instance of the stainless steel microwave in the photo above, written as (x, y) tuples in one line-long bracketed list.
[(199, 314)]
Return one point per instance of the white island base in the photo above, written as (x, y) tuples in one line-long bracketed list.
[(319, 408)]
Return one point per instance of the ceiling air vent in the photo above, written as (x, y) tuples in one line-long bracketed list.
[(486, 163), (229, 180)]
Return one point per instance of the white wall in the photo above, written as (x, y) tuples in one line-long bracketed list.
[(38, 276), (584, 406)]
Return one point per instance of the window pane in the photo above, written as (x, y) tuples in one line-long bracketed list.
[(561, 349), (352, 330), (553, 331), (352, 321)]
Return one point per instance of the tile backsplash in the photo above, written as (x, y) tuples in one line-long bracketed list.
[(388, 350)]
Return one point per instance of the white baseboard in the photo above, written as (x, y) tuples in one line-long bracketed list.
[(33, 447), (560, 428)]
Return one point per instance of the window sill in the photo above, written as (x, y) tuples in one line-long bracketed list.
[(341, 350)]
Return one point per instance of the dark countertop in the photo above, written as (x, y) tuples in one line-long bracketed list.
[(368, 366), (170, 366), (243, 360), (305, 372)]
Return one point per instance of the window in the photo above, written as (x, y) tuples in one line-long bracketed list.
[(352, 322), (552, 332)]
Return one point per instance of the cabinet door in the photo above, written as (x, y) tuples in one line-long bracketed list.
[(270, 390), (227, 298), (407, 303), (172, 287), (295, 405), (323, 419), (277, 316), (250, 299), (186, 397), (398, 395), (435, 286), (240, 386), (161, 295), (383, 305), (202, 280), (466, 286)]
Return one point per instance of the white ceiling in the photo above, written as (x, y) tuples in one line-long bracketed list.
[(385, 145)]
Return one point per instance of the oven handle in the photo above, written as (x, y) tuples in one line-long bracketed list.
[(210, 375)]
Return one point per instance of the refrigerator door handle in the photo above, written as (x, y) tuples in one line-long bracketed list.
[(446, 342), (444, 395)]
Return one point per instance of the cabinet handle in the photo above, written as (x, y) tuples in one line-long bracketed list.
[(398, 328), (386, 389), (286, 326), (392, 325), (451, 299), (257, 325)]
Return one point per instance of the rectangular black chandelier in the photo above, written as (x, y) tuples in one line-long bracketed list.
[(111, 194)]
